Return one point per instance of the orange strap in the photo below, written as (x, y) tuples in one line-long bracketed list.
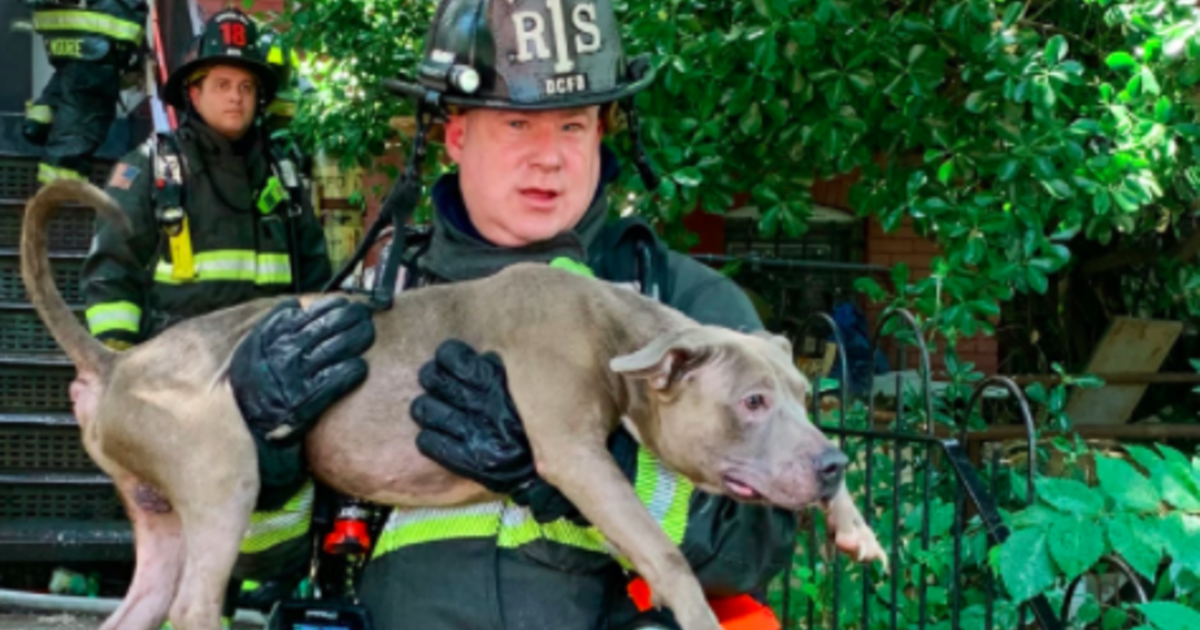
[(740, 612)]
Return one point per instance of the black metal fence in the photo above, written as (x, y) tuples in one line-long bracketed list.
[(936, 512)]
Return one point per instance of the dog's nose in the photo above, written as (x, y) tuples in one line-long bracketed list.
[(831, 467)]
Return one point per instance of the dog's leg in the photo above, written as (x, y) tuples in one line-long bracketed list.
[(567, 427), (591, 480), (851, 533), (213, 533), (158, 548)]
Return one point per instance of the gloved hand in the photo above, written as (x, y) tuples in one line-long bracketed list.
[(470, 426), (296, 363)]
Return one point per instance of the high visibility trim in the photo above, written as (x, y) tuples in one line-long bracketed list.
[(412, 526), (665, 493), (39, 113), (518, 527), (110, 316), (233, 265), (88, 22), (268, 529), (48, 173)]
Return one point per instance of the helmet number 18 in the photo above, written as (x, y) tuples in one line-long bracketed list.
[(234, 34)]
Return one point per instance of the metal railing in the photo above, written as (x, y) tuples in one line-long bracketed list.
[(933, 510)]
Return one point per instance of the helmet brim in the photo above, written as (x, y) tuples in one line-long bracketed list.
[(409, 89), (174, 95)]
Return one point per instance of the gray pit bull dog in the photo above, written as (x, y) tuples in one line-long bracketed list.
[(724, 409)]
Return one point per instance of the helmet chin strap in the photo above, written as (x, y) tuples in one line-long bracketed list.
[(638, 67), (640, 159), (397, 208)]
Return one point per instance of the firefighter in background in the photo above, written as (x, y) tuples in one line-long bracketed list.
[(229, 223), (91, 45)]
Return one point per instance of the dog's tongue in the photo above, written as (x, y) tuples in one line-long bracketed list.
[(741, 489)]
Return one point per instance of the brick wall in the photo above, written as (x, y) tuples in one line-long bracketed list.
[(906, 246), (903, 246)]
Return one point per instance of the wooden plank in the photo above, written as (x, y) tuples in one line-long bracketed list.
[(1129, 345)]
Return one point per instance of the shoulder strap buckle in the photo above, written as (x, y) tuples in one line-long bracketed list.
[(168, 184)]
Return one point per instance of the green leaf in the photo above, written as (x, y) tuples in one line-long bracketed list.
[(1162, 110), (1075, 544), (946, 171), (975, 101), (1013, 12), (751, 122), (1114, 619), (1121, 60), (1069, 496), (1126, 486), (1145, 458), (1056, 49), (1149, 83), (689, 177), (804, 33), (1037, 280), (1025, 564), (1170, 616), (1179, 535), (1180, 488), (975, 250), (915, 53), (869, 286), (900, 275), (1129, 537), (1008, 169)]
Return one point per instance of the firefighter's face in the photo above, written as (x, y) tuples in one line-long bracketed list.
[(225, 98), (526, 176)]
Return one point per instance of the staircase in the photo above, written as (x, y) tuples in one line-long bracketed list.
[(55, 505)]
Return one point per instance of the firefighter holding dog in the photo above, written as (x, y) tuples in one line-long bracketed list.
[(526, 91), (91, 46), (219, 216)]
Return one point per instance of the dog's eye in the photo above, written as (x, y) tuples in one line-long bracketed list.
[(755, 402)]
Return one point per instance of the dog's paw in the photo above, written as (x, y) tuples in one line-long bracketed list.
[(859, 542)]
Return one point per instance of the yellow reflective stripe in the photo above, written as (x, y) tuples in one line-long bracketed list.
[(274, 269), (665, 493), (518, 527), (111, 316), (47, 174), (39, 113), (268, 529), (233, 265), (412, 526), (88, 22)]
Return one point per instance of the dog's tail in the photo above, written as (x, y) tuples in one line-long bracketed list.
[(88, 354)]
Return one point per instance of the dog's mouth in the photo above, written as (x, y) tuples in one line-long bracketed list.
[(740, 489)]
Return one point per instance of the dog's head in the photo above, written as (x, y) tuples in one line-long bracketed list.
[(726, 410)]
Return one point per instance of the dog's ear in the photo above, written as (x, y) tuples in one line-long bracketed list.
[(666, 359), (782, 342)]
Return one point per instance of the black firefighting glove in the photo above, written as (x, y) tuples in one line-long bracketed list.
[(296, 363), (470, 426)]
